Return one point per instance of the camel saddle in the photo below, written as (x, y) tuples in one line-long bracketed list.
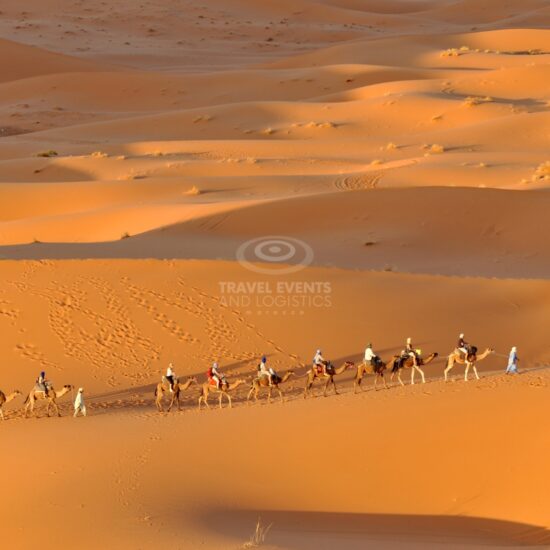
[(223, 383), (329, 368)]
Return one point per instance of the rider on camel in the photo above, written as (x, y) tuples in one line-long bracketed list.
[(42, 383), (370, 357), (320, 364), (171, 376), (264, 371), (463, 346), (409, 351), (216, 375)]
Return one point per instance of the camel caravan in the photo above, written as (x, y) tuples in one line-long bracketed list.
[(267, 381)]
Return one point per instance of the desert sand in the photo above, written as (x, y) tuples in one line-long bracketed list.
[(194, 183)]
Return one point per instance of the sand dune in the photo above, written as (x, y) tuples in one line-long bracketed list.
[(190, 183)]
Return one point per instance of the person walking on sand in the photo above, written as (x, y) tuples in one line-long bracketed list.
[(513, 359), (79, 406)]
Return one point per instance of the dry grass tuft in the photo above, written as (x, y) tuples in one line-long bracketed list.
[(472, 101), (376, 162), (125, 235), (202, 118), (193, 191), (258, 537), (391, 146), (451, 52), (48, 154), (543, 171), (99, 154), (434, 148)]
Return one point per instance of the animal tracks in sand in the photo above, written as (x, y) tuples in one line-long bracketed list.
[(7, 311), (357, 182)]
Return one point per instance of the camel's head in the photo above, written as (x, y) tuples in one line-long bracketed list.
[(192, 379), (290, 372), (435, 354), (349, 364), (17, 392), (68, 387)]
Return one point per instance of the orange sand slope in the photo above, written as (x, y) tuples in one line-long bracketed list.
[(313, 96), (401, 147), (408, 461)]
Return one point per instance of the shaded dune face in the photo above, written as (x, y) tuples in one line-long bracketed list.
[(185, 183)]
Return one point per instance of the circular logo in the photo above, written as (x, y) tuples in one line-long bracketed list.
[(277, 252)]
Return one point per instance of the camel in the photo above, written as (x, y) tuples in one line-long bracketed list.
[(208, 388), (50, 395), (470, 361), (263, 382), (366, 368), (408, 363), (313, 374), (6, 399), (164, 387)]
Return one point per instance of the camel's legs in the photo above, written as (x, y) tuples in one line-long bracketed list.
[(280, 394), (399, 377), (2, 414), (306, 390), (269, 394), (448, 370), (475, 371), (230, 400), (249, 395), (56, 408), (466, 372), (412, 374), (204, 398), (220, 400), (171, 402), (421, 373), (384, 380)]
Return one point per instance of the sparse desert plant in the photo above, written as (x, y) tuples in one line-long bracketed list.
[(202, 118), (268, 131), (48, 154), (542, 171), (434, 148), (258, 537), (451, 52), (437, 118), (471, 101), (376, 162), (391, 146), (193, 191), (125, 235), (99, 154)]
